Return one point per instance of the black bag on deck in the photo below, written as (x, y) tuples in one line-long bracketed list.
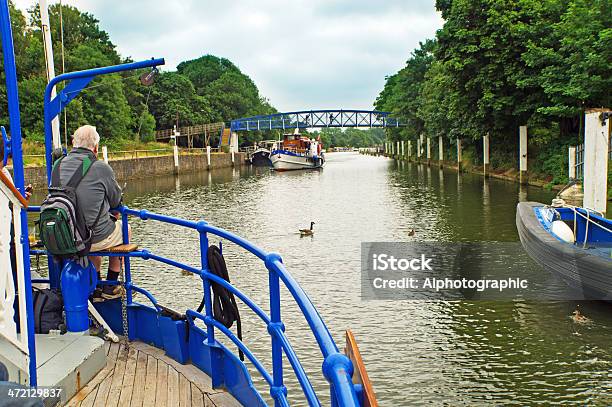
[(63, 229), (48, 306)]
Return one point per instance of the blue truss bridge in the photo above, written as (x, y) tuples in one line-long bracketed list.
[(317, 119)]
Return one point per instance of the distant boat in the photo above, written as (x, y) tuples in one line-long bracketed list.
[(572, 242), (297, 152), (261, 156)]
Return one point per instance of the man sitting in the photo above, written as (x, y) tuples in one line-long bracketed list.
[(97, 193)]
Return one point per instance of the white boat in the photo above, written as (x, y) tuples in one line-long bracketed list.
[(297, 152)]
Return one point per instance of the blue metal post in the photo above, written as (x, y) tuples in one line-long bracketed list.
[(15, 127), (126, 260), (215, 357), (275, 319)]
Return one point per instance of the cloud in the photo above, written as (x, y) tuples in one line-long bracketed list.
[(302, 54)]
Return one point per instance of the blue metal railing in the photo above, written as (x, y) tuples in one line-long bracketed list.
[(337, 368), (316, 118)]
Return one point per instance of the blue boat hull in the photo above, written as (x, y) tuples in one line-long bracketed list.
[(586, 269)]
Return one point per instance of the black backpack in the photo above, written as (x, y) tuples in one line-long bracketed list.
[(63, 229), (48, 310)]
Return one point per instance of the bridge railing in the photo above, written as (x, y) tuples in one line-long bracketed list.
[(316, 118)]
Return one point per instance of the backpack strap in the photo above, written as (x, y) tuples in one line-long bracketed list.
[(78, 175), (55, 173)]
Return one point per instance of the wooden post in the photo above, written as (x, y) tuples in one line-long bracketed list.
[(459, 157), (176, 160), (105, 154), (428, 150), (208, 156), (523, 154), (440, 151), (572, 163), (596, 146), (485, 153)]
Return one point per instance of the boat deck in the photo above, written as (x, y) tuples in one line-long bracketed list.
[(143, 375)]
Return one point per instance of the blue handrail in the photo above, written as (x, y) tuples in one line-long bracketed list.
[(337, 368)]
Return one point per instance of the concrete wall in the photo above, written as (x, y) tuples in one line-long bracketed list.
[(151, 166)]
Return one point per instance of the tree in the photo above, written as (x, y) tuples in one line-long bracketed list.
[(173, 97), (401, 95)]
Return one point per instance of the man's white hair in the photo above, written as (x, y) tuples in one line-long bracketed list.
[(86, 137)]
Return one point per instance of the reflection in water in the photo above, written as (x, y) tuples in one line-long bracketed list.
[(417, 352)]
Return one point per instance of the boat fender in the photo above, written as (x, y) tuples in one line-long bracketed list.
[(562, 231)]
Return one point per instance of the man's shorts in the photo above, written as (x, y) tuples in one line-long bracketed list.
[(114, 239)]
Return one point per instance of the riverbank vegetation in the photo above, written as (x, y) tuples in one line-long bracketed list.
[(498, 64), (207, 89)]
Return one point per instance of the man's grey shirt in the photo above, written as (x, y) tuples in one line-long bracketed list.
[(99, 187)]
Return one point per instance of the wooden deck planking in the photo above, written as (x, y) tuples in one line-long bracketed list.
[(117, 383), (127, 386), (197, 398), (184, 391), (161, 394), (173, 387), (150, 382), (139, 380), (143, 376)]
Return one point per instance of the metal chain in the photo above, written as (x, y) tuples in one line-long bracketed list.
[(124, 316)]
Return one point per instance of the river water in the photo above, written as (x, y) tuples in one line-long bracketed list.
[(416, 352)]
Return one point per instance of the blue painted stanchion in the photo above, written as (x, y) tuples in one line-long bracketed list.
[(77, 283), (12, 94)]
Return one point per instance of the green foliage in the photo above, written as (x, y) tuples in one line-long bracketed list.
[(173, 98), (402, 92), (499, 64), (350, 137)]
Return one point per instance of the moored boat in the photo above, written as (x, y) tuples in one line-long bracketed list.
[(261, 156), (572, 242), (297, 152)]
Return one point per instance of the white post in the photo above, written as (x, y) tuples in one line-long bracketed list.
[(409, 149), (403, 151), (105, 154), (176, 159), (232, 153), (596, 147), (398, 149), (485, 153), (572, 163), (440, 151), (523, 154), (419, 149), (422, 143), (46, 32), (208, 155), (459, 157), (428, 149)]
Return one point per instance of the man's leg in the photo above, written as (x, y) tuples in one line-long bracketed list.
[(97, 262), (114, 268)]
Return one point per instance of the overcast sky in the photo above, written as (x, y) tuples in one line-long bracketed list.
[(302, 54)]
